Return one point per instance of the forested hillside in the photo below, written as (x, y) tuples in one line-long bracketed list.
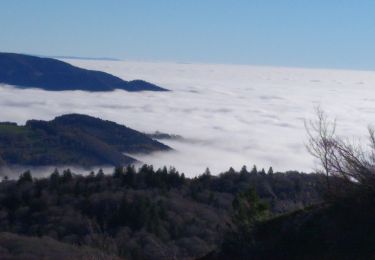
[(145, 214), (72, 139)]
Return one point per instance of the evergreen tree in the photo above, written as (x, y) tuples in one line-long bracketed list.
[(25, 177), (130, 177), (118, 172), (67, 175), (231, 171), (254, 170), (244, 170), (54, 178), (100, 174), (248, 209)]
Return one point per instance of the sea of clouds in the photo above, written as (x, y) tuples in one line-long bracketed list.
[(230, 115)]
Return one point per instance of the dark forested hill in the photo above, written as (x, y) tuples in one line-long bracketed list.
[(72, 140), (326, 231), (144, 214), (17, 247), (50, 74)]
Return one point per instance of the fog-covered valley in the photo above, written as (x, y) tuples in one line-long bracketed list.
[(229, 115)]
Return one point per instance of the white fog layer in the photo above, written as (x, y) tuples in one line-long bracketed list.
[(234, 115)]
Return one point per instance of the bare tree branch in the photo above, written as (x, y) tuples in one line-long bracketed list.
[(338, 157)]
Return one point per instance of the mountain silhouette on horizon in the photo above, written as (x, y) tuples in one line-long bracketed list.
[(27, 71)]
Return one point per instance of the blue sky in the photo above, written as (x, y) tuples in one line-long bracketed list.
[(298, 33)]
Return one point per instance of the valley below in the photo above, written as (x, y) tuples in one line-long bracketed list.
[(228, 115)]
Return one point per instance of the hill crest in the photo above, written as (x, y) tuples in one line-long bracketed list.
[(26, 71)]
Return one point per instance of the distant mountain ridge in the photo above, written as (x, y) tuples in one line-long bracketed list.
[(83, 58), (72, 139), (28, 71)]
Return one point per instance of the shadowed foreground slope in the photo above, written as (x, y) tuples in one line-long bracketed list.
[(324, 231), (17, 247)]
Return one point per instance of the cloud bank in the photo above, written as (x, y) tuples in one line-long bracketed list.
[(236, 115)]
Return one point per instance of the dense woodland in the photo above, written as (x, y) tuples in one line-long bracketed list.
[(146, 213)]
